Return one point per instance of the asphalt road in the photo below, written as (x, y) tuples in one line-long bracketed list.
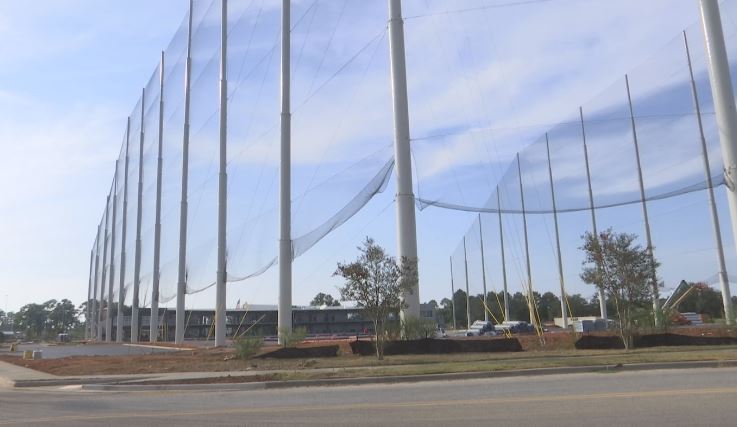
[(698, 397)]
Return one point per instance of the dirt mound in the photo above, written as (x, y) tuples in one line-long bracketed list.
[(609, 342), (439, 346), (301, 353)]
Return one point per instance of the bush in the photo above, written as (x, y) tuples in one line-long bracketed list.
[(246, 348), (415, 328), (293, 337)]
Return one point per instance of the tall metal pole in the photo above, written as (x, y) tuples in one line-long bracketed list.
[(602, 297), (123, 233), (501, 247), (104, 275), (468, 294), (724, 107), (563, 309), (531, 295), (135, 321), (153, 337), (111, 277), (656, 290), (723, 277), (452, 294), (406, 225), (95, 307), (182, 270), (285, 198), (88, 313), (483, 271), (220, 315)]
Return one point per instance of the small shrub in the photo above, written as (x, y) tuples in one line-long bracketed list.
[(415, 328), (248, 347), (293, 337)]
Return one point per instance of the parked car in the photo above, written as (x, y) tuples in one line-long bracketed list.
[(481, 328)]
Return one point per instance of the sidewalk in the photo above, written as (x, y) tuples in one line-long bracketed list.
[(15, 376)]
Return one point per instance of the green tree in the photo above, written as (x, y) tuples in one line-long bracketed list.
[(324, 299), (32, 319), (63, 317), (625, 271), (376, 282), (549, 306)]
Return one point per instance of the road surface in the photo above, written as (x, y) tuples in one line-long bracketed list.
[(703, 397)]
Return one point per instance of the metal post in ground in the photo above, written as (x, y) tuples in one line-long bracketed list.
[(182, 267), (501, 247), (220, 296), (602, 297), (154, 327), (723, 277), (406, 224), (724, 104), (135, 319), (285, 198), (123, 233), (656, 289)]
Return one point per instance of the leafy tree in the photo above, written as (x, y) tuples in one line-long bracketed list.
[(624, 270), (31, 319), (62, 317), (703, 300), (549, 306), (324, 299), (376, 282)]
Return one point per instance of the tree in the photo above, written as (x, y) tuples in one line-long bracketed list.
[(624, 270), (62, 317), (31, 319), (376, 282), (324, 299)]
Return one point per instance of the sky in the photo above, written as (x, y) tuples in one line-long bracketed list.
[(489, 75)]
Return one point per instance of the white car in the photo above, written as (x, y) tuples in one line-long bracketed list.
[(481, 328)]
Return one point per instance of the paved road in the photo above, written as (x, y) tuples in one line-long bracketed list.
[(703, 397)]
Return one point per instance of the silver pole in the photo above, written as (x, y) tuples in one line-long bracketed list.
[(95, 308), (724, 106), (153, 336), (220, 315), (468, 294), (88, 314), (104, 275), (602, 298), (182, 271), (504, 262), (135, 328), (111, 277), (656, 291), (723, 277), (123, 233), (285, 198), (406, 225), (452, 294), (531, 295), (483, 271), (563, 308)]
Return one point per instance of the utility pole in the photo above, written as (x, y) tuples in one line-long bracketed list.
[(139, 216), (468, 294), (182, 270), (406, 224), (123, 233), (654, 278), (726, 113), (220, 298), (483, 271), (501, 246), (285, 198), (104, 271), (154, 327), (563, 308), (111, 277), (602, 297), (452, 294), (531, 295)]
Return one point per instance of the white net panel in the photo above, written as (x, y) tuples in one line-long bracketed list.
[(666, 130)]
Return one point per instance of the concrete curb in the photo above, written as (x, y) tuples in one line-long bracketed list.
[(250, 386)]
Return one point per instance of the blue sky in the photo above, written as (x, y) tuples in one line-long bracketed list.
[(74, 71)]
